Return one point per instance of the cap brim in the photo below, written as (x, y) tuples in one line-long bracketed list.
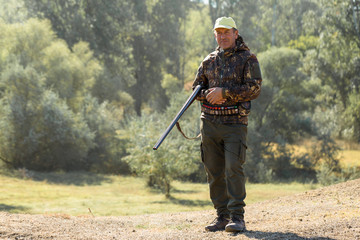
[(223, 26)]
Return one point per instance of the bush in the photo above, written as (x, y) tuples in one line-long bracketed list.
[(325, 154), (176, 158), (327, 176), (48, 119), (43, 135), (106, 154)]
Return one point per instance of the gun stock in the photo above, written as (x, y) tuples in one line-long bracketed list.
[(178, 116)]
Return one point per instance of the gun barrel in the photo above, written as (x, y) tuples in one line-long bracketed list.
[(177, 117)]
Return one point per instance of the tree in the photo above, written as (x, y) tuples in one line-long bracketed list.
[(42, 133), (157, 48), (106, 26), (199, 41), (279, 115), (286, 94), (108, 150), (141, 40), (12, 11), (50, 120), (176, 158), (283, 21), (335, 62)]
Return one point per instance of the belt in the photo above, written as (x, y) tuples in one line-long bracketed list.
[(220, 110)]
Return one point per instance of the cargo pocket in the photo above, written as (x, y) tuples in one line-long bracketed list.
[(242, 152)]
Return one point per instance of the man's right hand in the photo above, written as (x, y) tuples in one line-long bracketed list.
[(215, 96)]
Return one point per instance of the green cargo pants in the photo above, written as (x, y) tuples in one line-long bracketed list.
[(223, 151)]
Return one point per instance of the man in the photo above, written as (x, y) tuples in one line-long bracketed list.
[(231, 78)]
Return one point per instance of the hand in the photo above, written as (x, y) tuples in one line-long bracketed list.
[(215, 96)]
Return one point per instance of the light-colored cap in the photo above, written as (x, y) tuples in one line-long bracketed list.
[(224, 22)]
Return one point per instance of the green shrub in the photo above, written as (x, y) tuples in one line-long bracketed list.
[(176, 157)]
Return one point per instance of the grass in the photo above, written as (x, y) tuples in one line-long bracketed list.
[(350, 158), (115, 195), (349, 153)]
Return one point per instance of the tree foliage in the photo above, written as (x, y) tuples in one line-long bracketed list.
[(106, 26), (45, 101)]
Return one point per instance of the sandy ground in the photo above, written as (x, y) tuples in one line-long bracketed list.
[(328, 213)]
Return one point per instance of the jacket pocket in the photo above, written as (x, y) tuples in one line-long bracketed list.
[(244, 108)]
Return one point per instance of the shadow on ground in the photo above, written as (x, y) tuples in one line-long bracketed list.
[(183, 191), (11, 208), (78, 178), (186, 202), (275, 235), (158, 190), (72, 178)]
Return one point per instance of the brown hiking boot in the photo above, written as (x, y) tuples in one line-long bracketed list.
[(218, 224), (236, 224)]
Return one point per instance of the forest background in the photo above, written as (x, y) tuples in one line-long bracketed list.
[(89, 85)]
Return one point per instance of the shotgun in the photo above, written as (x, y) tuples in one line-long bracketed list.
[(188, 102)]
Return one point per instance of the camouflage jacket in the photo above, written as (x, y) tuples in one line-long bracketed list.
[(237, 72)]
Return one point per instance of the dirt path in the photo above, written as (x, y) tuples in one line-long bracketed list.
[(327, 213)]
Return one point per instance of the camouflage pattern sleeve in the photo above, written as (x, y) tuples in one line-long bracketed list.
[(251, 87), (201, 79)]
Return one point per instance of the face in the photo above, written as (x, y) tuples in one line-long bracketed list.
[(226, 37)]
